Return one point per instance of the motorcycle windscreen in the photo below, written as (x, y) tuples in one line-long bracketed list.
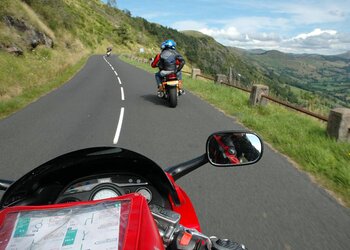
[(122, 223)]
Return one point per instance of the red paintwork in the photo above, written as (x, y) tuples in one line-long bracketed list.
[(185, 209), (142, 230), (233, 159)]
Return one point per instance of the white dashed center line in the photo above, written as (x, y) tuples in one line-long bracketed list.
[(121, 115)]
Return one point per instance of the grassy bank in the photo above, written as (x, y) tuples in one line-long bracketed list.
[(25, 79), (302, 138)]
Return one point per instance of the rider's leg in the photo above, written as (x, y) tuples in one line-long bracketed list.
[(158, 79), (179, 77)]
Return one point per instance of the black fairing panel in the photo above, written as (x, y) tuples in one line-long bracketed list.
[(43, 184)]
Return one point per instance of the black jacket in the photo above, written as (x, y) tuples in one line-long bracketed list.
[(171, 60)]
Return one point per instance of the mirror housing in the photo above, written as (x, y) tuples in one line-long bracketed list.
[(234, 148)]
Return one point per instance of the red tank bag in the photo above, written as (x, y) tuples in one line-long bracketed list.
[(117, 223)]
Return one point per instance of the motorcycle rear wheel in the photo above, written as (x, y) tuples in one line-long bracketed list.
[(172, 95)]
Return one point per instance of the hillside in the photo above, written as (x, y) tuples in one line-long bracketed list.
[(326, 76), (49, 36)]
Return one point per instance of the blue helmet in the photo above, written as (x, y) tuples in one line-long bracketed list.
[(168, 44)]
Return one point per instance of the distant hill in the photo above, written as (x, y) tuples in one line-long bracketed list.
[(195, 33), (326, 76), (345, 55), (256, 51)]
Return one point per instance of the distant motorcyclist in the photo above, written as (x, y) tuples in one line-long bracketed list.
[(168, 61), (109, 51)]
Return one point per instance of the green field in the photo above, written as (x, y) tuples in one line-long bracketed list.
[(324, 77)]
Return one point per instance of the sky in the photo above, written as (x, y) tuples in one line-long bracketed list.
[(291, 26)]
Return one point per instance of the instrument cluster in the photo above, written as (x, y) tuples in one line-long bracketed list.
[(102, 187)]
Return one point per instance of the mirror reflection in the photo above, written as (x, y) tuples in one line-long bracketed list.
[(234, 148)]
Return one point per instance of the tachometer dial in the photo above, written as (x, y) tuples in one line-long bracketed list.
[(104, 194), (145, 193)]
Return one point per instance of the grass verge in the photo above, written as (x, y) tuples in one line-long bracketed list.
[(23, 80), (303, 139)]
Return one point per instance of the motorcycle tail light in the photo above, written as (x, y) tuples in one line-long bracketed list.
[(171, 77)]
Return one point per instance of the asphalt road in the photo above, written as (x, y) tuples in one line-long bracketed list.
[(270, 205)]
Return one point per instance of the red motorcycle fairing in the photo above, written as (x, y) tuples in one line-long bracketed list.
[(43, 184), (85, 162), (185, 208), (134, 223)]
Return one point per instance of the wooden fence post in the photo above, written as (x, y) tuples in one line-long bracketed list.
[(230, 77), (220, 78), (257, 92), (338, 125), (195, 72)]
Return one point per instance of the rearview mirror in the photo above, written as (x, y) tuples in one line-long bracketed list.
[(230, 148)]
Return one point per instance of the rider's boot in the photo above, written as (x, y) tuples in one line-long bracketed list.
[(181, 90), (160, 92)]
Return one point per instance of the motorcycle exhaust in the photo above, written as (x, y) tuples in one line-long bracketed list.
[(160, 94)]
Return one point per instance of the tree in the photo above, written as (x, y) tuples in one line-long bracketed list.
[(123, 32), (112, 3), (127, 12)]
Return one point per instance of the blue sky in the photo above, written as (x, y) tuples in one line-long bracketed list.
[(295, 26)]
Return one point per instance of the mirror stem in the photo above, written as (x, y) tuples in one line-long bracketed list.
[(182, 169), (5, 184)]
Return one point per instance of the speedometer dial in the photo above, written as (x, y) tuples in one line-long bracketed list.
[(145, 193), (104, 194)]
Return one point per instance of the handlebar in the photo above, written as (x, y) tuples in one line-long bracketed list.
[(176, 236), (225, 244)]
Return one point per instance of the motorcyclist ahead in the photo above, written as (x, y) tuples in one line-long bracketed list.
[(168, 61), (109, 51)]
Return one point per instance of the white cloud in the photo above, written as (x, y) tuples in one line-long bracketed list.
[(229, 33), (298, 26), (316, 41), (321, 41), (316, 33)]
